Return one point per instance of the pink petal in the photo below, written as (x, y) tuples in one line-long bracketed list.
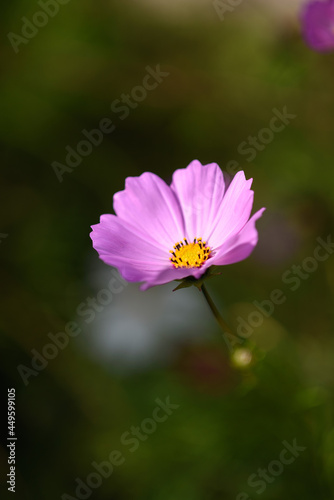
[(240, 245), (171, 274), (200, 190), (125, 247), (317, 21), (149, 204), (233, 212)]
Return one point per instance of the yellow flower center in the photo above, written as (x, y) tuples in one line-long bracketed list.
[(190, 254)]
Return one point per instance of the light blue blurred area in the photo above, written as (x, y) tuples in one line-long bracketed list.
[(140, 330)]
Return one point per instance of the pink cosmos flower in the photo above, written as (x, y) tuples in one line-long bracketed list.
[(318, 25), (163, 233)]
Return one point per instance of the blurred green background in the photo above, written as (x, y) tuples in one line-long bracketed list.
[(225, 78)]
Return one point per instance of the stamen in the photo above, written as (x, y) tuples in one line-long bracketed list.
[(188, 255)]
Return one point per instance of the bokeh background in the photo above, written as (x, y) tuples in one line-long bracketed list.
[(234, 409)]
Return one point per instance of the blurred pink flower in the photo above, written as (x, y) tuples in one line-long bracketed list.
[(318, 25), (163, 233)]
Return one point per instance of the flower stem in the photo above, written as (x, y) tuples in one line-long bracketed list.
[(215, 311)]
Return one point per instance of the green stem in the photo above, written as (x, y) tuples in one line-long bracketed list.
[(215, 311)]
